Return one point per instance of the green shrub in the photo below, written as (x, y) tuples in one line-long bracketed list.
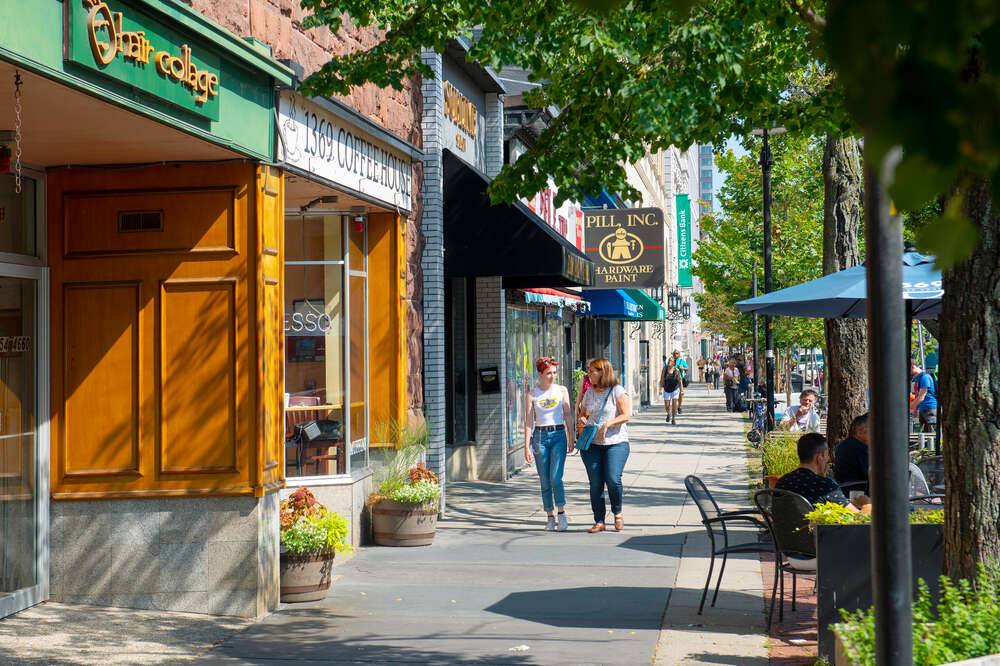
[(780, 452), (965, 624), (831, 513), (309, 527)]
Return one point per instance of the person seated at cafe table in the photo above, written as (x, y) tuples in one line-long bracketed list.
[(850, 457), (802, 418), (809, 479)]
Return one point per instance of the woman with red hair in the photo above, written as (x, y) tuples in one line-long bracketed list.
[(548, 437), (607, 405)]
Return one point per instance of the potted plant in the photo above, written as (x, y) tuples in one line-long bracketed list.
[(843, 562), (404, 505), (311, 535)]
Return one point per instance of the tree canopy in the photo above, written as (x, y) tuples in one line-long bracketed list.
[(732, 238)]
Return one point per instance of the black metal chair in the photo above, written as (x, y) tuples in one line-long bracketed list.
[(715, 521), (920, 491), (933, 470), (794, 545)]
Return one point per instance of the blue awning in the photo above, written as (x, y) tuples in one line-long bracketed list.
[(613, 303)]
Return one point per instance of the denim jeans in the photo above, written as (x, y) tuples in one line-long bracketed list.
[(549, 449), (605, 465)]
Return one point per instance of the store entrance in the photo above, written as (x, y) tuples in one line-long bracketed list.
[(23, 487)]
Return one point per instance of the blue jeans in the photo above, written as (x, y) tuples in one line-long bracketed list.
[(605, 465), (549, 449)]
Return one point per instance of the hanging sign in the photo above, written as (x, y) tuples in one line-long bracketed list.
[(626, 246), (126, 44), (683, 240), (319, 142)]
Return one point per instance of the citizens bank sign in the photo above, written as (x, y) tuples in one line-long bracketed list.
[(626, 247), (319, 142), (126, 44)]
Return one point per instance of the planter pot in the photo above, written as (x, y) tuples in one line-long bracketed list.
[(844, 572), (989, 660), (305, 577), (399, 524), (771, 480)]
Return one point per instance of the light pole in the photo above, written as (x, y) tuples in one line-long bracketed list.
[(766, 162)]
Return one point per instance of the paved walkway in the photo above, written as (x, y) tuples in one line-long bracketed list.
[(496, 589)]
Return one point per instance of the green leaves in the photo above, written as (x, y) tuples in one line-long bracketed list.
[(950, 237), (919, 180)]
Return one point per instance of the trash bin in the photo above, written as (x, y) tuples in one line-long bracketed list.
[(797, 383)]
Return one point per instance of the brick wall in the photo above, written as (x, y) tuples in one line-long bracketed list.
[(433, 268), (491, 412)]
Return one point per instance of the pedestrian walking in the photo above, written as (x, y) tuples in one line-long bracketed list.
[(548, 437), (924, 405), (607, 405), (710, 371), (682, 367), (730, 382), (670, 384)]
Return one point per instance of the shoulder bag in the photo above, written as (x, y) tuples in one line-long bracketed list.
[(589, 431)]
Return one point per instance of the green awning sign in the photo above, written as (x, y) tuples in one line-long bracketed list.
[(126, 44), (683, 240)]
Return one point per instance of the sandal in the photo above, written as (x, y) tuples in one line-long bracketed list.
[(619, 522), (598, 527)]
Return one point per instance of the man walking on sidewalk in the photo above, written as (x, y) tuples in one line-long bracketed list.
[(730, 382)]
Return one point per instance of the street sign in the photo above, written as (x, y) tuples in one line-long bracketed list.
[(626, 246)]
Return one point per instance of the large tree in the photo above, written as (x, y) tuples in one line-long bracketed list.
[(925, 76)]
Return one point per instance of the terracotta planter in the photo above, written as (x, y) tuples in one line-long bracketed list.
[(305, 577), (399, 524), (771, 480)]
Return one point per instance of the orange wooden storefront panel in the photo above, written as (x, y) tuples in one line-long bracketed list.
[(100, 379), (197, 376), (192, 221), (156, 387), (270, 328), (386, 347)]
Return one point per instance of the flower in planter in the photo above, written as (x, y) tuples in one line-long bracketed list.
[(308, 527)]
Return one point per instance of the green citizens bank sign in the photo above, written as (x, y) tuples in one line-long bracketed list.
[(124, 43), (683, 240)]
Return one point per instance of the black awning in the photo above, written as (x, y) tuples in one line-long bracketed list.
[(483, 240)]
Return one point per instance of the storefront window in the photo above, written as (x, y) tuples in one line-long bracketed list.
[(326, 347), (18, 222), (526, 341)]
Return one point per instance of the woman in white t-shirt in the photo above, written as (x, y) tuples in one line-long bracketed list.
[(548, 437), (605, 459)]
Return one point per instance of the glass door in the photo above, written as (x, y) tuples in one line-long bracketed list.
[(23, 397)]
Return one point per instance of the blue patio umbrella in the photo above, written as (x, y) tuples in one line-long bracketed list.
[(843, 294)]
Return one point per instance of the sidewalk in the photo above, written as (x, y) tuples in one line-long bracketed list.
[(494, 588)]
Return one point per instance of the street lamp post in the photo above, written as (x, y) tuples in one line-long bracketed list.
[(756, 349), (766, 162)]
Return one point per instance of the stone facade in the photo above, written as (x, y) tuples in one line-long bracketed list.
[(203, 555)]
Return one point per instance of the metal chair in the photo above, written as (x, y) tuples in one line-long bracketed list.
[(920, 491), (714, 520), (933, 470), (794, 545)]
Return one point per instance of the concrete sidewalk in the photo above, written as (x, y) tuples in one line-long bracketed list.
[(493, 588)]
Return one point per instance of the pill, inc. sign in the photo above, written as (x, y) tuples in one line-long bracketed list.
[(626, 246)]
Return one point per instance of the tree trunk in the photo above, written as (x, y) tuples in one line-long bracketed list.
[(970, 393), (845, 369)]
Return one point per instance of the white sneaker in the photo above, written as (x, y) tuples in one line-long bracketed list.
[(563, 522), (550, 524)]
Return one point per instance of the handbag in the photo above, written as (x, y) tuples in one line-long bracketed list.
[(589, 431), (685, 381)]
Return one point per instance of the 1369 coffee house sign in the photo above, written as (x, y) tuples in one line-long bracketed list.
[(317, 141), (626, 246)]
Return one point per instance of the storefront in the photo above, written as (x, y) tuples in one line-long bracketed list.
[(347, 200), (140, 326), (480, 256)]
